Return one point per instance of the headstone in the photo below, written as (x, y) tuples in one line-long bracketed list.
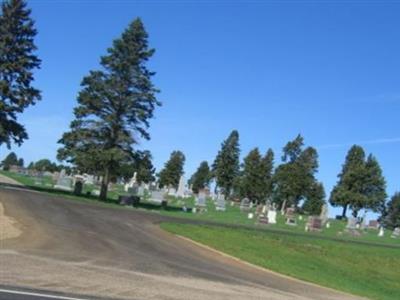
[(381, 232), (351, 223), (64, 183), (373, 224), (220, 206), (131, 182), (181, 187), (245, 204), (324, 214), (157, 196), (262, 219), (396, 233), (125, 200), (172, 192), (250, 216), (314, 223), (259, 209), (133, 190), (201, 199), (140, 191), (78, 188), (96, 192), (290, 216), (353, 226), (271, 215)]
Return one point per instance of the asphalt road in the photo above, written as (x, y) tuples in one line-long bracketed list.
[(86, 249)]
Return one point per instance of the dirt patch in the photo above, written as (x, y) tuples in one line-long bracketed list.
[(8, 226)]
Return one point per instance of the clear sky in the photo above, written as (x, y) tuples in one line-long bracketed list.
[(329, 70)]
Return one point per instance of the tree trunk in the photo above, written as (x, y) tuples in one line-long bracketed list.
[(104, 185), (355, 213), (344, 210)]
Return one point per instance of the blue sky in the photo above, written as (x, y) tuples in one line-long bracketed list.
[(270, 69)]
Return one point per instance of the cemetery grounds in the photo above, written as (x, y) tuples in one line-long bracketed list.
[(367, 265)]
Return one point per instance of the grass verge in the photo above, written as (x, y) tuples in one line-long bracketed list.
[(367, 271)]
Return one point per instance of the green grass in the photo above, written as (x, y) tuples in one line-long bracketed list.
[(364, 270)]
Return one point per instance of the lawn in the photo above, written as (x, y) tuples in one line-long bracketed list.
[(365, 270)]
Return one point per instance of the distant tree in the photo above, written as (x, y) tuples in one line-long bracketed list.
[(10, 160), (360, 185), (17, 63), (31, 165), (267, 169), (173, 170), (144, 167), (44, 165), (314, 199), (201, 178), (391, 217), (114, 108), (226, 165), (21, 162), (375, 186), (252, 179), (294, 179)]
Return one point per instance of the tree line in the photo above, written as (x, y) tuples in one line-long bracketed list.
[(113, 112), (360, 185)]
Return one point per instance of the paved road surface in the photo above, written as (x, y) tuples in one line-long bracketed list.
[(86, 249)]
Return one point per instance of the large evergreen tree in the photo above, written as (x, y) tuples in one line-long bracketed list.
[(361, 184), (114, 108), (201, 178), (294, 179), (375, 186), (315, 199), (143, 166), (17, 63), (173, 170), (11, 159), (226, 165), (391, 217), (267, 169), (252, 178)]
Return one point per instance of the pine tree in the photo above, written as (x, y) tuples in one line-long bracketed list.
[(315, 199), (21, 162), (17, 63), (267, 169), (294, 179), (375, 185), (201, 178), (361, 184), (252, 179), (349, 189), (226, 165), (10, 160), (114, 108), (144, 167), (173, 170), (391, 217)]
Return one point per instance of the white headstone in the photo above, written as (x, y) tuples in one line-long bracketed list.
[(271, 216), (181, 187), (250, 216), (381, 232)]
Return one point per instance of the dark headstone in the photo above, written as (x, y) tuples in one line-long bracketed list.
[(164, 204), (125, 200), (314, 224), (262, 219), (78, 188)]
